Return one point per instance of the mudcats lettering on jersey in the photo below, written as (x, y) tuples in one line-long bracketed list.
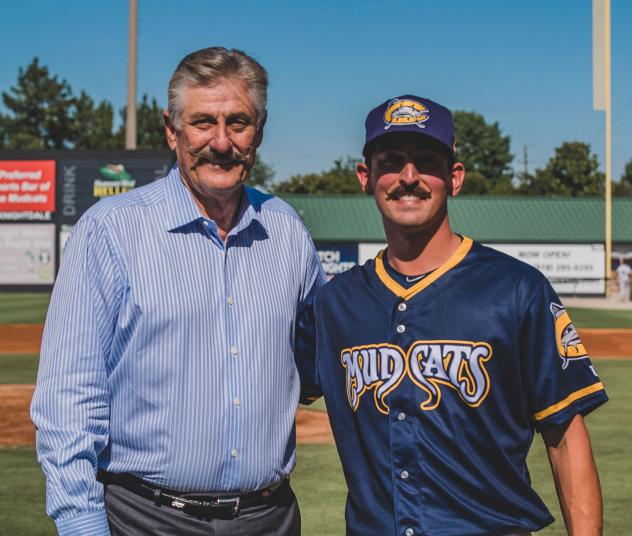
[(459, 365)]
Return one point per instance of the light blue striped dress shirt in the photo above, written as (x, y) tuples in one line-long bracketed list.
[(168, 353)]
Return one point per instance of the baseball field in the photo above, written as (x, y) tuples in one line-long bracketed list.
[(317, 479)]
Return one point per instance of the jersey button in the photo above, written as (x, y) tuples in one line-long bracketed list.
[(409, 532), (401, 328), (404, 475), (401, 307), (234, 453), (401, 416)]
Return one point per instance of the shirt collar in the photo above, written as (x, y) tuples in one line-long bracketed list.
[(182, 208)]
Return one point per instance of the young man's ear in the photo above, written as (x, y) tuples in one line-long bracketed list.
[(457, 175), (362, 172), (170, 130)]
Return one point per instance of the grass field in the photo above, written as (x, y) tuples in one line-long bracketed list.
[(320, 486), (318, 479), (30, 308), (23, 308), (18, 368)]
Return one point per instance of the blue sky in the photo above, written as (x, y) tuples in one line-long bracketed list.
[(527, 65)]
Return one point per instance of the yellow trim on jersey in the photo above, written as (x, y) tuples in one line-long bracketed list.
[(406, 294), (568, 401)]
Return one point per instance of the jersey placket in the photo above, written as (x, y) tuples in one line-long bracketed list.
[(404, 450)]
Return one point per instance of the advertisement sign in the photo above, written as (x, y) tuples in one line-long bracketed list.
[(28, 253), (336, 258), (83, 182), (27, 189), (571, 268), (64, 233)]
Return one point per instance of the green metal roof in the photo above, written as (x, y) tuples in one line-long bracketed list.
[(485, 218)]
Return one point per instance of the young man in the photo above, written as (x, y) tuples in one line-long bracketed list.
[(167, 389), (440, 358)]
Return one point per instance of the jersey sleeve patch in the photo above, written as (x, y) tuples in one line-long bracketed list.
[(569, 345)]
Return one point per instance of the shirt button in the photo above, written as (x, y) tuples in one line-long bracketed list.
[(401, 306), (229, 300), (233, 350), (410, 532), (236, 401), (401, 328), (401, 416), (234, 453), (404, 475)]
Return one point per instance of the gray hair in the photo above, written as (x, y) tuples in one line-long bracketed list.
[(209, 67)]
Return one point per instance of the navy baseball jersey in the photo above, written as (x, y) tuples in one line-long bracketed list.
[(434, 391)]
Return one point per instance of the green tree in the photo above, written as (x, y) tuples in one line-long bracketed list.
[(93, 125), (4, 137), (261, 174), (150, 127), (572, 171), (485, 153), (340, 179), (624, 186), (40, 111)]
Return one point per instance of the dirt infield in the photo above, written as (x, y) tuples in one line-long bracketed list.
[(311, 426), (20, 338), (16, 427), (26, 339), (607, 342)]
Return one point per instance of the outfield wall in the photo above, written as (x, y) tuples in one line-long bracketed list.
[(43, 194)]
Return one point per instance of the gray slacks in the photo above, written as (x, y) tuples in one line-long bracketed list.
[(131, 515)]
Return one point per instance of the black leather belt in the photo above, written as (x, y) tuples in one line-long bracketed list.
[(205, 505)]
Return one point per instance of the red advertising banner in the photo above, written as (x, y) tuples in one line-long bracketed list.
[(27, 185)]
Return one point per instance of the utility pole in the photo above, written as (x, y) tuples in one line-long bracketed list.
[(130, 117), (525, 156), (602, 101)]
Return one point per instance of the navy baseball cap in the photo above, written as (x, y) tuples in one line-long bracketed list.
[(409, 113)]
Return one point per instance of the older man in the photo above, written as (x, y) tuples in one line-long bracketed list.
[(167, 389)]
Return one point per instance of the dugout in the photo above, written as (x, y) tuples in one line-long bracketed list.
[(562, 237)]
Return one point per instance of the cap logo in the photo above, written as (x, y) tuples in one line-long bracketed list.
[(405, 112)]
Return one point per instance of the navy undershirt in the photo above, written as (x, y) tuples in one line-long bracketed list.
[(405, 281)]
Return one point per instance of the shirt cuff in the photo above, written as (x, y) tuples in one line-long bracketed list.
[(91, 523)]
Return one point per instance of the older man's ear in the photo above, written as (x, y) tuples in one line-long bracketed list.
[(170, 130)]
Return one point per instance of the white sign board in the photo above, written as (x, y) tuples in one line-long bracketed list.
[(28, 254), (367, 252), (64, 233), (571, 268)]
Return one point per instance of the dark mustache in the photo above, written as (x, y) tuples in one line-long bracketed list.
[(409, 189), (232, 158)]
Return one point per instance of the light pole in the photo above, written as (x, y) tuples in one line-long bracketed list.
[(130, 117), (602, 101)]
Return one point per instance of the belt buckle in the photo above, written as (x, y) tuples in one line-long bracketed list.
[(233, 503)]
